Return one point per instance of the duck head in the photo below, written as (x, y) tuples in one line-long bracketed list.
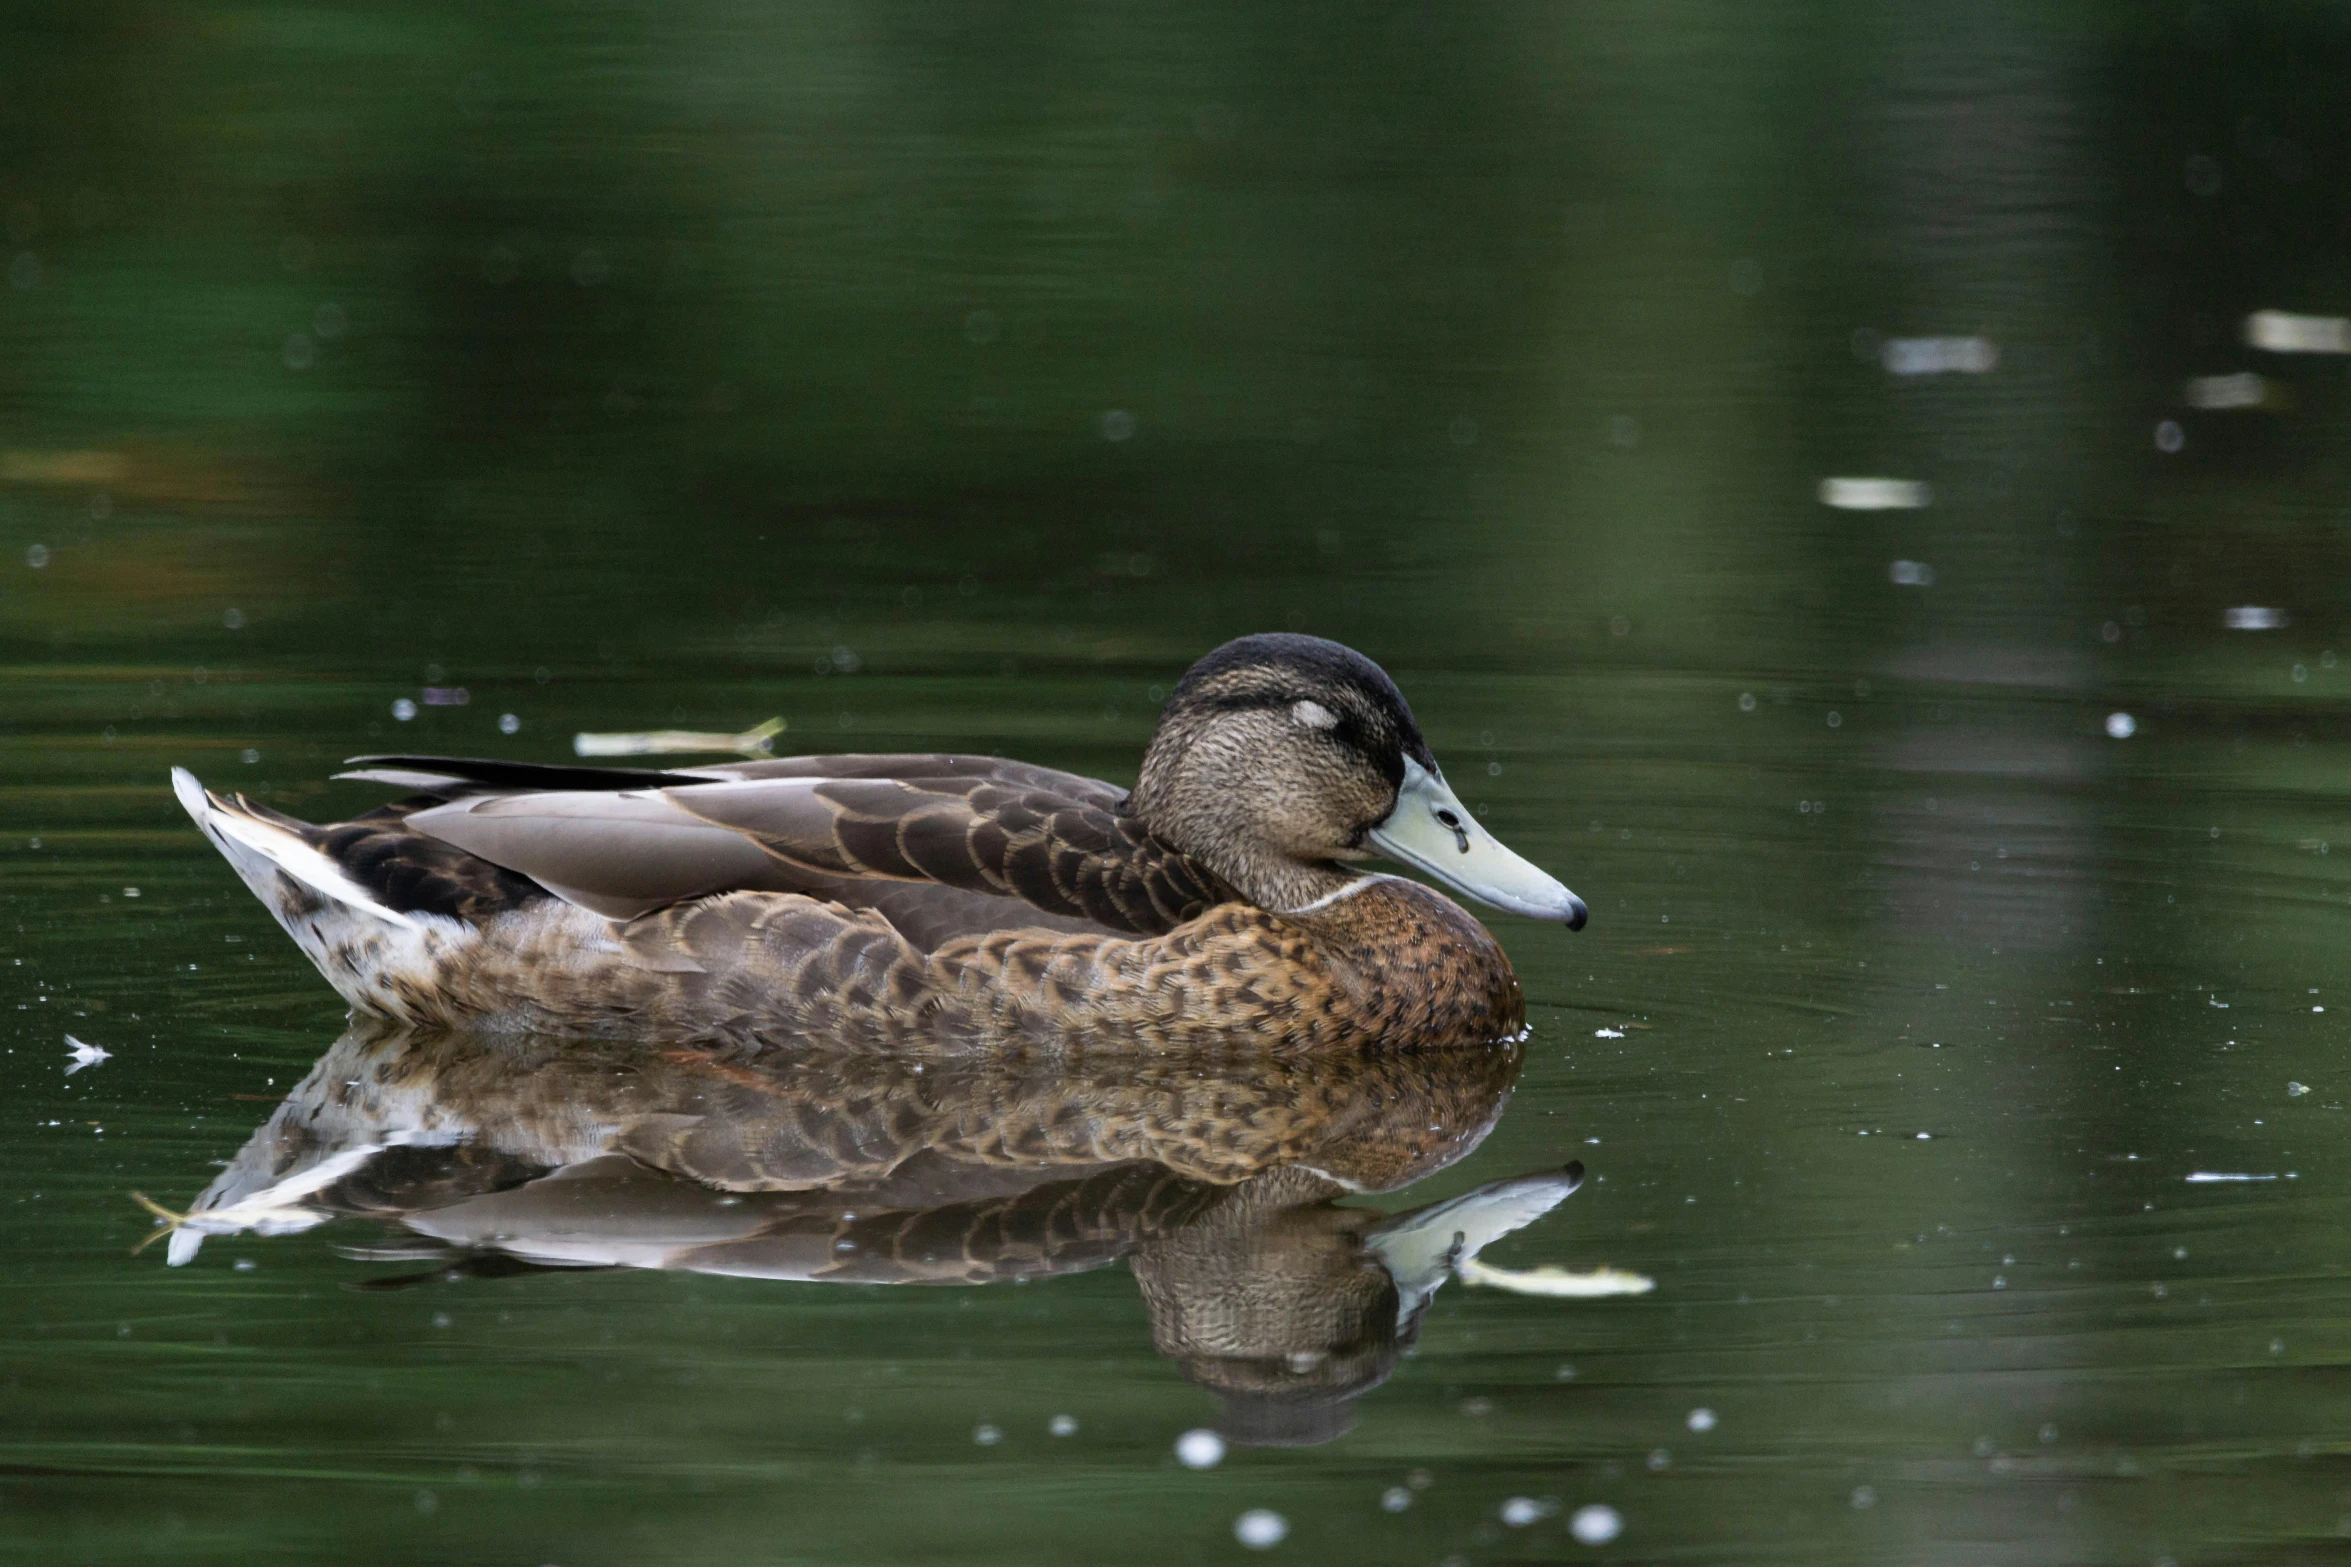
[(1279, 756)]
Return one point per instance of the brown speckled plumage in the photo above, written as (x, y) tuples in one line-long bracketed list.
[(911, 902)]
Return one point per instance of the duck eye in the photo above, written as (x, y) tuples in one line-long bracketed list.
[(1313, 714)]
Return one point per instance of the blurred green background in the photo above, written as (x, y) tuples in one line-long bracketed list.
[(952, 377)]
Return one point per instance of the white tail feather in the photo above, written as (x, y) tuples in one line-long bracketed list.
[(232, 830)]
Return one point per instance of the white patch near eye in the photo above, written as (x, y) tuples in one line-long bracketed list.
[(1313, 714)]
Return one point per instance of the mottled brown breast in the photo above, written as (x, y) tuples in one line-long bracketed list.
[(1412, 966)]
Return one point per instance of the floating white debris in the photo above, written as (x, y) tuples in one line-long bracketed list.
[(1261, 1528), (987, 1435), (1701, 1419), (1199, 1448), (2121, 726), (1939, 355), (1558, 1283), (2242, 390), (1596, 1525), (1608, 1033), (2284, 332), (2253, 617), (1911, 574), (1520, 1511), (2296, 1090), (2207, 1177), (657, 742), (1063, 1425), (82, 1055), (1876, 494)]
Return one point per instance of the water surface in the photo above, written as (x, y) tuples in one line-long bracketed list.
[(952, 381)]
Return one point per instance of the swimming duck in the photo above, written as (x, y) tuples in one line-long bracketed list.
[(937, 900)]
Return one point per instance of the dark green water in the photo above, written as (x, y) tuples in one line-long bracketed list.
[(950, 378)]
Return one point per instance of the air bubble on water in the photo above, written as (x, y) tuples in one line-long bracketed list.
[(1261, 1528), (1596, 1524), (1660, 1460), (1746, 701), (1199, 1448), (234, 619), (36, 556), (1117, 425), (1063, 1425), (2169, 437), (2121, 726), (1395, 1499), (987, 1435), (1701, 1419), (1864, 1497), (509, 724), (2254, 617), (1520, 1511), (404, 709), (249, 756), (1909, 573)]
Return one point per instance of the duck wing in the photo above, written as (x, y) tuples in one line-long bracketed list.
[(942, 845)]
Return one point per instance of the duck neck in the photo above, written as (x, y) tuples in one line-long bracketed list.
[(1208, 804)]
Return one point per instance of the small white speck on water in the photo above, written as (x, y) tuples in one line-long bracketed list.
[(1864, 1497), (1063, 1425), (509, 724), (2296, 1090), (987, 1435), (1701, 1419), (1395, 1499), (1199, 1448), (2121, 726), (1596, 1524), (1520, 1511), (1261, 1528), (403, 709)]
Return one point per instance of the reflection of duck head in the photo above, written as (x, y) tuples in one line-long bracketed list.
[(1215, 1177), (1288, 1306)]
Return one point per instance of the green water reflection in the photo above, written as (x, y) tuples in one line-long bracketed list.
[(952, 378)]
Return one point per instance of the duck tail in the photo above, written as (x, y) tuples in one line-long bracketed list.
[(279, 858)]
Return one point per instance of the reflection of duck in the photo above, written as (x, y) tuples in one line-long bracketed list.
[(1213, 1177), (950, 899)]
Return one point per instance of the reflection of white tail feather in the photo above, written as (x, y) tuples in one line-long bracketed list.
[(275, 1210)]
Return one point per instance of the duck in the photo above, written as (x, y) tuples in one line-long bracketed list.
[(917, 902)]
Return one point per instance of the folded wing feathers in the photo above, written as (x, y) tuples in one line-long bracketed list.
[(806, 824)]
